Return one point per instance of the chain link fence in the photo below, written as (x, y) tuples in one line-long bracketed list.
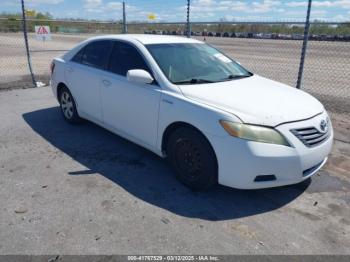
[(271, 49), (14, 70), (13, 60), (326, 73), (65, 35)]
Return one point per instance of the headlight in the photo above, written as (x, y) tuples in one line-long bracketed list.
[(254, 133)]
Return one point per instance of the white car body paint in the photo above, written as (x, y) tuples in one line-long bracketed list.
[(142, 112), (270, 102)]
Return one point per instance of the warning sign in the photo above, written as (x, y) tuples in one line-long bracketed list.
[(152, 17), (42, 32)]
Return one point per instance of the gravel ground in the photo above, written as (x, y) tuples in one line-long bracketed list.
[(82, 190)]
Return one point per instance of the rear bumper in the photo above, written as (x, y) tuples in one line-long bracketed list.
[(53, 85), (240, 161)]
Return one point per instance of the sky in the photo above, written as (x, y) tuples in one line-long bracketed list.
[(175, 10)]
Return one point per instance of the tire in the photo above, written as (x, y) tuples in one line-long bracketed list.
[(193, 158), (68, 106)]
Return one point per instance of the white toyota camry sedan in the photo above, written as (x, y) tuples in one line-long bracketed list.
[(186, 101)]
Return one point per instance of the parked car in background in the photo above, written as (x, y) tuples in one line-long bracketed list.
[(331, 38), (250, 35), (313, 37), (297, 37), (241, 34), (284, 36), (274, 36), (266, 36), (186, 101)]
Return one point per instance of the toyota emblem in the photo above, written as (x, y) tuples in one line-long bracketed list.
[(323, 126)]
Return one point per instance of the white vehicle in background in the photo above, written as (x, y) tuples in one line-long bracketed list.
[(186, 101)]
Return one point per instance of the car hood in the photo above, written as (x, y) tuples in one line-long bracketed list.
[(256, 100)]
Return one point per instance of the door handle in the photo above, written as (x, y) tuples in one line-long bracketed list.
[(70, 70), (106, 82)]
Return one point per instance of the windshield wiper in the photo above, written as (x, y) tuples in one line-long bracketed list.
[(232, 77), (193, 81)]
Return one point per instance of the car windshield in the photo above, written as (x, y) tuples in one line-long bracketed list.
[(195, 63)]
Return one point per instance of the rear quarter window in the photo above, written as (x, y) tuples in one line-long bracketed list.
[(78, 56)]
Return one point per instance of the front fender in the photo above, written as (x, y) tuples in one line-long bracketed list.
[(177, 108)]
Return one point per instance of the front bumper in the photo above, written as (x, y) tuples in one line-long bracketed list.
[(241, 161)]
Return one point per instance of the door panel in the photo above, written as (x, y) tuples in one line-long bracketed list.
[(130, 108), (83, 77), (84, 83)]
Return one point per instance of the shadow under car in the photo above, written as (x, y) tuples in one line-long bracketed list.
[(147, 176)]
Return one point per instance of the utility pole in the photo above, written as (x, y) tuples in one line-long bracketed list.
[(125, 28), (303, 51), (24, 25), (188, 19)]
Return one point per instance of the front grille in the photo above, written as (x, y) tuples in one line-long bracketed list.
[(310, 136)]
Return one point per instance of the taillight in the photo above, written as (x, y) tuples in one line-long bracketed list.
[(52, 67)]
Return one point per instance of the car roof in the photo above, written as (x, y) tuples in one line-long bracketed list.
[(150, 39)]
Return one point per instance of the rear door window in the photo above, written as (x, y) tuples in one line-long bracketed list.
[(96, 54)]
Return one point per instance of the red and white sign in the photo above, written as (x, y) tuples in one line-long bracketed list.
[(42, 32)]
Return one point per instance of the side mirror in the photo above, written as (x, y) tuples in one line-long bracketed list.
[(139, 76)]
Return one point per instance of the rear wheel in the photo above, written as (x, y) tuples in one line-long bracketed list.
[(193, 158), (68, 107)]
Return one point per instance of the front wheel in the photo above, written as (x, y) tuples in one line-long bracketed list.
[(193, 158), (68, 107)]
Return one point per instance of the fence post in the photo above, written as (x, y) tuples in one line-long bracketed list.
[(303, 51), (125, 29), (24, 25), (188, 19)]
